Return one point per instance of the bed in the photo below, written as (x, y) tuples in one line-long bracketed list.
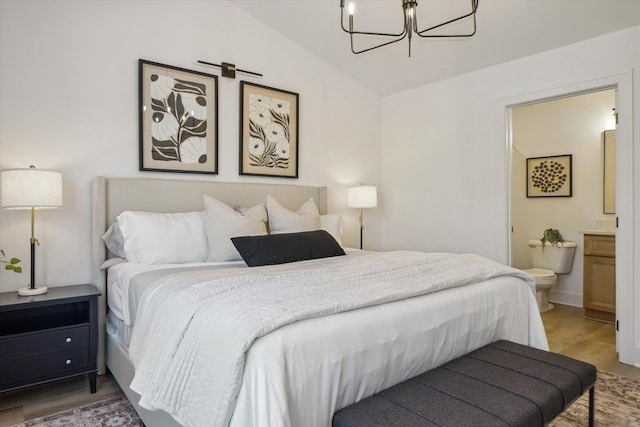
[(335, 345)]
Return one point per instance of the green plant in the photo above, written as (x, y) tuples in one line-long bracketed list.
[(552, 236), (11, 264)]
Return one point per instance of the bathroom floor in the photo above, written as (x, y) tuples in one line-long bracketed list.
[(569, 333)]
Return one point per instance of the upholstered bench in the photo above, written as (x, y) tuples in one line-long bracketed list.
[(501, 384)]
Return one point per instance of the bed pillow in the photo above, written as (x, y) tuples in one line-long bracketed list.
[(163, 238), (114, 240), (223, 223), (332, 223), (286, 247), (282, 220)]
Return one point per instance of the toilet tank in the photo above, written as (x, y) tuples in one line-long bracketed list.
[(558, 259)]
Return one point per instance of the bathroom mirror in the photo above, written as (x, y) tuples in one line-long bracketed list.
[(609, 197)]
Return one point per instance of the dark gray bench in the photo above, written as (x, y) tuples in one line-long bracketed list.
[(501, 384)]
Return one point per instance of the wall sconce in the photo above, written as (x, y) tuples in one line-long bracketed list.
[(229, 70), (362, 197), (31, 189)]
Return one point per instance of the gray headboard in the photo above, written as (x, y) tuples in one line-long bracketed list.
[(111, 196)]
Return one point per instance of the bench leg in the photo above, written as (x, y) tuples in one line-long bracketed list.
[(591, 404)]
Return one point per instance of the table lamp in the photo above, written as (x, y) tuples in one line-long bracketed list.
[(362, 197), (31, 189)]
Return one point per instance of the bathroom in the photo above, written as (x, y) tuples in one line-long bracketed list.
[(566, 126)]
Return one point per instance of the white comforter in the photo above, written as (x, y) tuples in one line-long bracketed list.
[(192, 331)]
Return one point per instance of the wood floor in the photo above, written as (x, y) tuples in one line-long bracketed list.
[(567, 331), (570, 334)]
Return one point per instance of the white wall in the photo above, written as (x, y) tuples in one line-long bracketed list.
[(572, 125), (69, 102), (445, 157)]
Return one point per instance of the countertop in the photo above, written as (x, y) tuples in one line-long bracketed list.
[(600, 232)]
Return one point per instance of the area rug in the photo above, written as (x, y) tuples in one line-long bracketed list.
[(617, 405), (113, 412)]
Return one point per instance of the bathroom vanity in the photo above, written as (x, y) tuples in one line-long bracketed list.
[(599, 293)]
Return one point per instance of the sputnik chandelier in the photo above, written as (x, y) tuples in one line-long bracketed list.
[(410, 26)]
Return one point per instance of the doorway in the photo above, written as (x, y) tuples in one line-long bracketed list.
[(566, 132), (621, 84)]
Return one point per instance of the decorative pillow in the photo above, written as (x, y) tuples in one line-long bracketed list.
[(286, 247), (159, 238), (282, 220), (223, 222), (333, 224), (114, 240)]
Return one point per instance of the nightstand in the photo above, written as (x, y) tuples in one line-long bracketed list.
[(48, 337)]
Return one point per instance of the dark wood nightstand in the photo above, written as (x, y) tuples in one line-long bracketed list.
[(48, 337)]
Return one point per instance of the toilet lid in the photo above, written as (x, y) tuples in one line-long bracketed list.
[(539, 273)]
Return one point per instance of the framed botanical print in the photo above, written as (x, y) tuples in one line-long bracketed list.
[(268, 131), (549, 176), (178, 119)]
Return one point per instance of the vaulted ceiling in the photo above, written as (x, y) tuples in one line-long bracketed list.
[(507, 30)]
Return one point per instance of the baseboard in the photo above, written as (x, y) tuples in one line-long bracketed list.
[(565, 298)]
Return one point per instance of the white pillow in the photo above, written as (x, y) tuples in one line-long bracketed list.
[(158, 238), (114, 240), (223, 223), (332, 223), (282, 220)]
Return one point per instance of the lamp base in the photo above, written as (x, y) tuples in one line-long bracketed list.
[(26, 292)]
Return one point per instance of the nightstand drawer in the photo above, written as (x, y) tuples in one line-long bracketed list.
[(43, 367), (51, 341)]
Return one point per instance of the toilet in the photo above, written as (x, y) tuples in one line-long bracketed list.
[(547, 262)]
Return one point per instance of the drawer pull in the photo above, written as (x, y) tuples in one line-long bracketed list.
[(68, 339), (68, 362)]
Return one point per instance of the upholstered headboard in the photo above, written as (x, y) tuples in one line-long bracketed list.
[(111, 196)]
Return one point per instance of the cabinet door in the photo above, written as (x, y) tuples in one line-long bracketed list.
[(600, 283)]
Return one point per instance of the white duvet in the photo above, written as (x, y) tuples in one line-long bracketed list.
[(193, 331)]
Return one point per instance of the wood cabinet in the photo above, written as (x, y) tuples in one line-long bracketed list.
[(599, 293), (48, 337)]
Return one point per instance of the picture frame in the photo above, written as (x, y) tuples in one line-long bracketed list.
[(549, 176), (268, 131), (178, 119)]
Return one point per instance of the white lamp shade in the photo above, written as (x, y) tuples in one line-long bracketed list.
[(30, 188), (362, 196)]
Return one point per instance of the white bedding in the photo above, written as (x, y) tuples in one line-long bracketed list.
[(117, 330), (303, 371), (119, 297)]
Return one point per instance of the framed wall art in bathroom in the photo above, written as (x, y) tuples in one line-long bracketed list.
[(549, 176)]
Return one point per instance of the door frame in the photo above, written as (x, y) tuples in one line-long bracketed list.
[(625, 274)]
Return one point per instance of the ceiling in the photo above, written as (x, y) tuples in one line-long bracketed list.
[(507, 30)]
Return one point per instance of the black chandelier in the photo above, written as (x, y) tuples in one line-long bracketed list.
[(410, 26)]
